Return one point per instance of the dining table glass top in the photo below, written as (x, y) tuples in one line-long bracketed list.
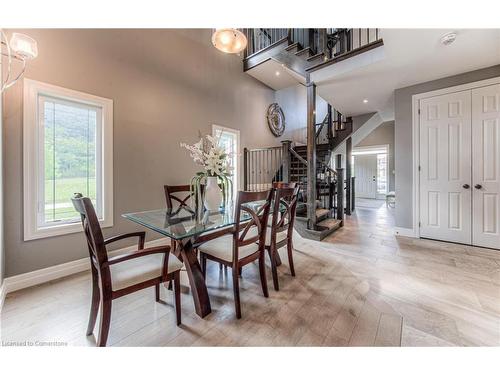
[(183, 223)]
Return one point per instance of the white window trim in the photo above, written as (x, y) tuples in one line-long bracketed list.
[(32, 91), (216, 128)]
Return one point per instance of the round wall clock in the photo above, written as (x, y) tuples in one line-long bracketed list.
[(276, 119)]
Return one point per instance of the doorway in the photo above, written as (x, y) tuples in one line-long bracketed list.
[(370, 167)]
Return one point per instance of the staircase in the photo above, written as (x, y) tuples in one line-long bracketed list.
[(289, 163), (326, 221), (301, 51)]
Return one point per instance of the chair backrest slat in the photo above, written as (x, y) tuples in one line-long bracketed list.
[(287, 198), (92, 229), (172, 194), (244, 235)]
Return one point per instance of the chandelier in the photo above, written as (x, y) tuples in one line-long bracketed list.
[(229, 40), (20, 48)]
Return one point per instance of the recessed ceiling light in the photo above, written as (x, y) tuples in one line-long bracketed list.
[(277, 73), (365, 101), (448, 38)]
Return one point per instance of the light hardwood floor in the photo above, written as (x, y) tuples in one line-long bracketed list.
[(362, 286)]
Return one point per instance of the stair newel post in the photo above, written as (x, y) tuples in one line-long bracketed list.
[(331, 133), (286, 158), (348, 166), (245, 169), (311, 154), (323, 40), (353, 193), (330, 191), (340, 189)]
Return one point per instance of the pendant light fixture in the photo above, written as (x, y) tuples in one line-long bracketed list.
[(229, 40), (21, 48)]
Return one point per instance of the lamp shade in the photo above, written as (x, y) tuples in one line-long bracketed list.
[(229, 40), (24, 46)]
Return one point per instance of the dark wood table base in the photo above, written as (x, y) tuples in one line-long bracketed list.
[(196, 279)]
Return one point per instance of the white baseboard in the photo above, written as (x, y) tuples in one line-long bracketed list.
[(406, 232), (25, 280), (3, 292)]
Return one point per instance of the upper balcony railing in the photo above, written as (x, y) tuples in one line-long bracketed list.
[(332, 42), (260, 39)]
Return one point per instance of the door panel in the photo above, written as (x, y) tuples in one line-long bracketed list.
[(445, 154), (365, 170), (486, 166)]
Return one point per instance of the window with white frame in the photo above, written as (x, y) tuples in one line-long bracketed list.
[(230, 140), (67, 149)]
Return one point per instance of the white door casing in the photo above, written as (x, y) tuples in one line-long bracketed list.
[(445, 167), (486, 166), (365, 170)]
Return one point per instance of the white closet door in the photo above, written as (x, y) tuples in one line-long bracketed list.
[(445, 167), (486, 166)]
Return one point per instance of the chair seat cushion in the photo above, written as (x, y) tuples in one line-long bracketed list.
[(137, 270), (280, 236), (222, 248)]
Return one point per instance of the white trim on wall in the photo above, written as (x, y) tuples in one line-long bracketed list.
[(406, 232), (3, 293), (31, 163), (416, 139)]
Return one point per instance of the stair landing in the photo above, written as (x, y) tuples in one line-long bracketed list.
[(324, 225)]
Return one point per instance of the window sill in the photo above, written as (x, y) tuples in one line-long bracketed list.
[(59, 230)]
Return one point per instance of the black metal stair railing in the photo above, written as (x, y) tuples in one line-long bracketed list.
[(333, 42), (262, 167), (259, 39), (343, 41)]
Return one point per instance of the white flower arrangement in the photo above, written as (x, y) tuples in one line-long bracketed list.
[(211, 156), (216, 162)]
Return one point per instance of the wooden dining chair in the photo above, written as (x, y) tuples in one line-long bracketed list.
[(176, 197), (245, 244), (180, 194), (172, 193), (280, 231), (279, 185), (123, 274)]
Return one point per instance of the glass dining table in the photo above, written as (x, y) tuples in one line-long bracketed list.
[(189, 232)]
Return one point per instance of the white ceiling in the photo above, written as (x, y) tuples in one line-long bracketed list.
[(411, 56), (408, 57), (274, 75)]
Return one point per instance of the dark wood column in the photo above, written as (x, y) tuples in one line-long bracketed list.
[(348, 174), (286, 160), (340, 188), (330, 130), (311, 155)]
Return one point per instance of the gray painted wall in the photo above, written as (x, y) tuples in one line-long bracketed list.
[(293, 101), (403, 135), (383, 135), (166, 85)]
